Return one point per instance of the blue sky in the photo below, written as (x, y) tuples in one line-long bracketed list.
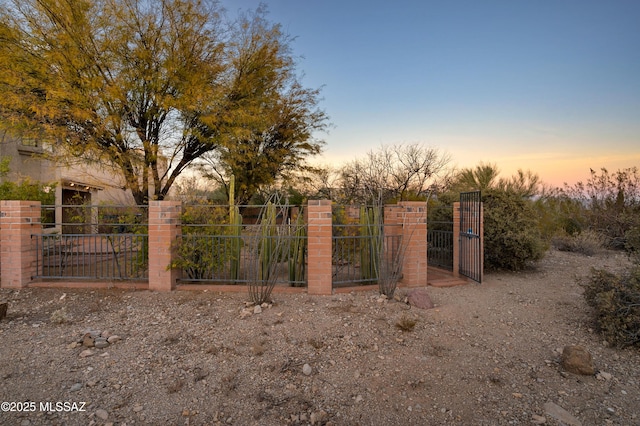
[(547, 85)]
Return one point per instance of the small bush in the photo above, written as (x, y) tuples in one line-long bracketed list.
[(406, 323), (59, 316), (616, 302), (586, 242), (512, 238), (632, 243)]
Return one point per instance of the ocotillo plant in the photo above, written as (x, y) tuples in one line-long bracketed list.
[(269, 244), (391, 259)]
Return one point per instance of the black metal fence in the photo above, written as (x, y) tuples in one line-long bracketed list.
[(440, 237), (440, 249), (356, 254), (214, 254), (101, 256), (93, 242)]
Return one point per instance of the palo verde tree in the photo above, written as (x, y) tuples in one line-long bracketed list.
[(277, 116), (146, 86)]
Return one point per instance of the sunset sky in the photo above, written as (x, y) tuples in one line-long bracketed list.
[(547, 85)]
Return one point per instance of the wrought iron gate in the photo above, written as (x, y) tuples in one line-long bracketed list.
[(471, 250)]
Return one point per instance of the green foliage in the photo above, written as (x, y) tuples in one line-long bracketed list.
[(615, 299), (28, 191), (25, 189), (485, 177), (512, 240), (203, 250), (152, 86)]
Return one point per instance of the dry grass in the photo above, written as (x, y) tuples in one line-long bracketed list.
[(406, 324), (317, 344), (60, 316)]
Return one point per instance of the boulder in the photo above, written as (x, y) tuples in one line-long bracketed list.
[(577, 360), (419, 298)]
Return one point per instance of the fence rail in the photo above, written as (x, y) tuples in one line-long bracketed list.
[(355, 255), (212, 254), (440, 249), (99, 256)]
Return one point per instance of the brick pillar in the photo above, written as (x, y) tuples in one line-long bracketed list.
[(393, 216), (414, 239), (319, 231), (18, 220), (456, 239), (164, 231)]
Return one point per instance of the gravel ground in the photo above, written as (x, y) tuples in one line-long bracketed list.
[(487, 354)]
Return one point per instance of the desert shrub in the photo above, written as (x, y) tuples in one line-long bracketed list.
[(512, 239), (559, 215), (611, 201), (203, 250), (586, 242), (25, 189), (615, 299), (632, 243)]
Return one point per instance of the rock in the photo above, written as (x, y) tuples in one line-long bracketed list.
[(246, 313), (100, 343), (307, 370), (577, 360), (86, 353), (76, 387), (419, 298), (604, 376), (72, 345), (88, 340), (106, 334), (257, 309), (318, 417), (102, 414), (538, 420), (113, 339), (561, 414)]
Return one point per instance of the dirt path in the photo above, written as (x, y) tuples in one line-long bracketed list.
[(486, 355)]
